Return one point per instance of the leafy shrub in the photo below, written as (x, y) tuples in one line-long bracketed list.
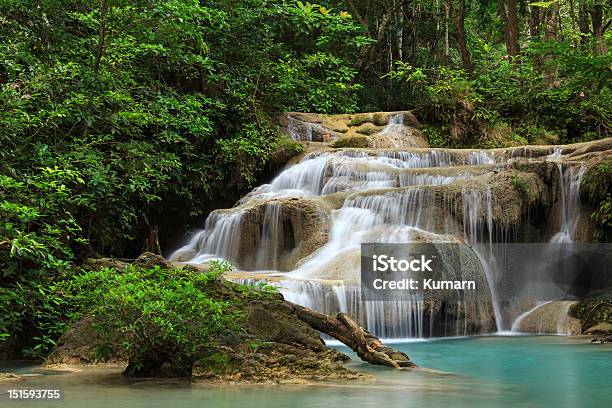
[(158, 316), (150, 313), (437, 136), (574, 104)]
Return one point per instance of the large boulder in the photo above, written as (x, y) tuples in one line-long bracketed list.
[(550, 318), (276, 234), (286, 351), (81, 344)]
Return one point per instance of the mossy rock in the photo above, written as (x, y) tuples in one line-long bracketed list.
[(340, 129), (358, 120), (360, 142), (368, 129), (597, 180)]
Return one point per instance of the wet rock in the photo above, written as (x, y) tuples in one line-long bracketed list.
[(352, 141), (9, 377), (602, 340), (343, 128), (398, 137), (148, 260), (298, 227), (550, 318), (599, 329), (279, 363)]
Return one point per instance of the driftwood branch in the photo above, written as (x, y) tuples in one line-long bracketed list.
[(367, 346)]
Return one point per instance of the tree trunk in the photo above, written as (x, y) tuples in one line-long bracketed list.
[(552, 21), (151, 243), (368, 347), (509, 17), (365, 55), (96, 68), (446, 38), (534, 22), (583, 23), (598, 29), (550, 34), (459, 19), (573, 20), (513, 36)]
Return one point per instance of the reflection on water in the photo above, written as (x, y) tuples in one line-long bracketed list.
[(471, 372)]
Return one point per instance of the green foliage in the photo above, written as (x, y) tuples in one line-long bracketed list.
[(156, 314), (103, 135), (146, 312), (521, 185), (556, 94), (597, 181), (439, 89), (602, 216), (597, 185), (437, 136), (35, 312), (592, 311), (289, 145)]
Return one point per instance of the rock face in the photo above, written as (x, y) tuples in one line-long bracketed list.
[(263, 235), (296, 228)]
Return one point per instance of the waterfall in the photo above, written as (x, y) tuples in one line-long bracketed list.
[(267, 252), (569, 179), (569, 185), (218, 240), (481, 157), (474, 206), (305, 229)]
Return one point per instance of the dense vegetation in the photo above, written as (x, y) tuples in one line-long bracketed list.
[(117, 116)]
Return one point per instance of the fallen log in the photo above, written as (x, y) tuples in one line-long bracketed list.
[(367, 346)]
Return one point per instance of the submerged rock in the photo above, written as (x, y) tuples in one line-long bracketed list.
[(9, 377), (549, 318)]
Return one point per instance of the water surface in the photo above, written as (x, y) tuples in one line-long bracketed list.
[(470, 372)]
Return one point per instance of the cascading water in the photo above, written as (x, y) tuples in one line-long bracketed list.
[(569, 179), (569, 185), (365, 196)]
